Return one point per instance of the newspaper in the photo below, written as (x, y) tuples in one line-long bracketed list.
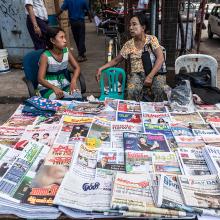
[(169, 195), (131, 192), (111, 103), (20, 173), (203, 129), (165, 162), (100, 130), (129, 117), (212, 157), (49, 176), (203, 108), (44, 134), (84, 193), (180, 129), (117, 129), (129, 106), (200, 191), (110, 159), (73, 129)]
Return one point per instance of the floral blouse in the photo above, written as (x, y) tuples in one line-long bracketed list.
[(135, 54)]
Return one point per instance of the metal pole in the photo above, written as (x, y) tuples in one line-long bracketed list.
[(153, 16), (187, 25)]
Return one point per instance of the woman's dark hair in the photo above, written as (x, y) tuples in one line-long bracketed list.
[(51, 33), (143, 20)]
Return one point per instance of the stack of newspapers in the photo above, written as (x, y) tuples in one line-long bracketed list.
[(111, 159)]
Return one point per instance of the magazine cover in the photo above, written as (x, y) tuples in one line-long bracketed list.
[(44, 134), (179, 129), (117, 129), (89, 107), (161, 129), (111, 103), (41, 120), (18, 177), (100, 130), (186, 117), (165, 162), (211, 139), (153, 107), (200, 191), (129, 106), (73, 129), (203, 108), (19, 121), (190, 141), (192, 161), (211, 117), (156, 118), (145, 142), (107, 115), (49, 176), (129, 117)]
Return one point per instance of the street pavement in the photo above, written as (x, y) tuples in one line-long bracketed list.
[(13, 90)]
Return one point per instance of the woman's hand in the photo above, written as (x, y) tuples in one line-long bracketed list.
[(98, 74), (148, 81), (73, 87), (58, 92)]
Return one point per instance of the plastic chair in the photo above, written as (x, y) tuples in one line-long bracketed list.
[(30, 64), (112, 75), (195, 63)]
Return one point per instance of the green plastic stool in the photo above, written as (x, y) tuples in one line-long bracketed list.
[(112, 74)]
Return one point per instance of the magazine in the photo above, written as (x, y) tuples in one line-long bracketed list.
[(19, 120), (18, 177), (200, 191), (156, 118), (44, 134), (73, 129), (161, 129), (100, 130), (117, 129), (131, 192), (49, 176), (129, 117), (180, 129), (153, 107), (186, 117), (111, 103), (211, 117), (190, 141), (41, 120), (165, 162), (192, 161), (128, 106), (145, 142)]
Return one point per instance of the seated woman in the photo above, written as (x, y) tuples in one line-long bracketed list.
[(53, 82), (138, 84)]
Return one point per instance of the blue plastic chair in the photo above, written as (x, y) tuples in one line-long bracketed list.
[(30, 64), (112, 74)]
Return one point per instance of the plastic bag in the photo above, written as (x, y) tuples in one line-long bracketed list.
[(180, 98)]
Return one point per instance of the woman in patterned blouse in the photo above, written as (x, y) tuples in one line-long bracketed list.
[(138, 84)]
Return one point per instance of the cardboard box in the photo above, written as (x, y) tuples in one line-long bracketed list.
[(49, 4), (58, 4)]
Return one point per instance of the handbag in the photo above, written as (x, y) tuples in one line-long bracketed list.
[(149, 59)]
